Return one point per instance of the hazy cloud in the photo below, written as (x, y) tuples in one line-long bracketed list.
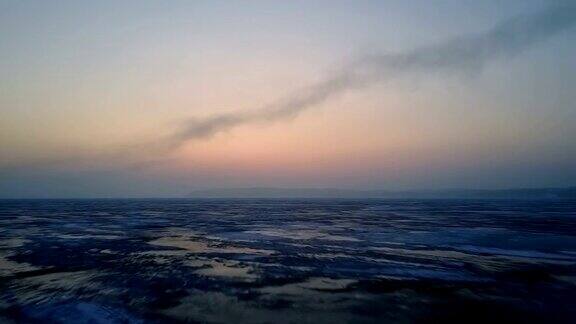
[(462, 54)]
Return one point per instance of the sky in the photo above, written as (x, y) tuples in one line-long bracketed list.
[(161, 98)]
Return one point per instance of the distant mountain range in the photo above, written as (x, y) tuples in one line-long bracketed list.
[(265, 192)]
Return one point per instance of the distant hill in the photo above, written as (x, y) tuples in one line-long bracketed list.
[(264, 192)]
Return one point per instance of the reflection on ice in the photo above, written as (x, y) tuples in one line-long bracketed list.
[(310, 261)]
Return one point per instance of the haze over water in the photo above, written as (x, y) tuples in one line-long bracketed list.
[(156, 99)]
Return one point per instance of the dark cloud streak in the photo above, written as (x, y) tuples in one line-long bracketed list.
[(469, 53)]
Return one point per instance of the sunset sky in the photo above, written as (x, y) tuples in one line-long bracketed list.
[(160, 98)]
